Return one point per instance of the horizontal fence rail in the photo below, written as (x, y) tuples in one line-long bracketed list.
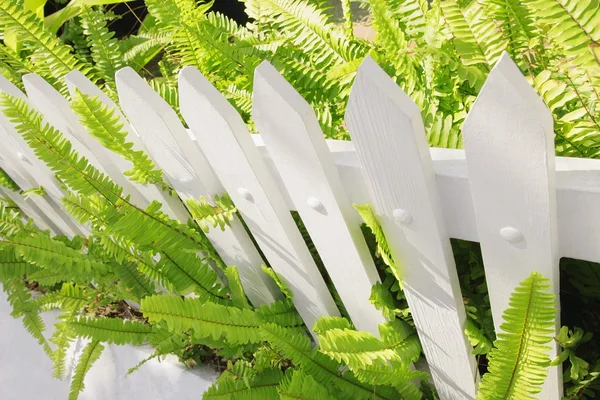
[(506, 190)]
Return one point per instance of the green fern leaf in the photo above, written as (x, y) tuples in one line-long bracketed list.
[(518, 363), (111, 330), (238, 297), (49, 54), (282, 313), (13, 266), (88, 357), (207, 215), (105, 50), (7, 182), (62, 337), (187, 273), (104, 124), (207, 320), (359, 349), (149, 228), (262, 385), (278, 281), (299, 385), (327, 323), (297, 347), (23, 306)]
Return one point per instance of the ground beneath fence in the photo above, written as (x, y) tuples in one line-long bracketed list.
[(26, 371)]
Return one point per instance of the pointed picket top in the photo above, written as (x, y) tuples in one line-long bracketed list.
[(163, 134), (171, 205), (509, 144), (389, 137), (293, 137), (220, 130), (506, 81)]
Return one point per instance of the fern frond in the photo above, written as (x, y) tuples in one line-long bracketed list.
[(323, 369), (359, 349), (518, 364), (7, 182), (187, 273), (299, 385), (149, 228), (104, 124), (13, 266), (278, 281), (104, 47), (394, 374), (327, 323), (480, 342), (571, 25), (132, 283), (282, 313), (206, 215), (22, 304), (55, 256), (308, 28), (370, 218), (468, 49), (262, 385), (88, 357), (238, 297), (111, 330), (49, 53), (138, 50), (62, 338), (207, 320), (70, 297)]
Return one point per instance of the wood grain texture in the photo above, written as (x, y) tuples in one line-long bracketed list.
[(41, 175), (188, 172), (172, 205), (509, 145), (220, 131), (389, 136), (294, 140)]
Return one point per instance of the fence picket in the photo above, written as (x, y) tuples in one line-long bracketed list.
[(57, 112), (389, 136), (509, 145), (172, 205), (226, 142), (191, 176), (296, 144), (28, 206), (43, 176)]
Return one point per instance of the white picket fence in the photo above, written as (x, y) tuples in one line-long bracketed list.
[(506, 190)]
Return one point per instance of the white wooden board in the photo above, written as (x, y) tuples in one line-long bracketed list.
[(221, 133), (390, 141), (189, 173), (297, 147), (509, 143)]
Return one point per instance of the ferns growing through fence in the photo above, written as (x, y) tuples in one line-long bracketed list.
[(439, 52)]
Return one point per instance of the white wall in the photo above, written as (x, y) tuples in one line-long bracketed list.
[(26, 371)]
